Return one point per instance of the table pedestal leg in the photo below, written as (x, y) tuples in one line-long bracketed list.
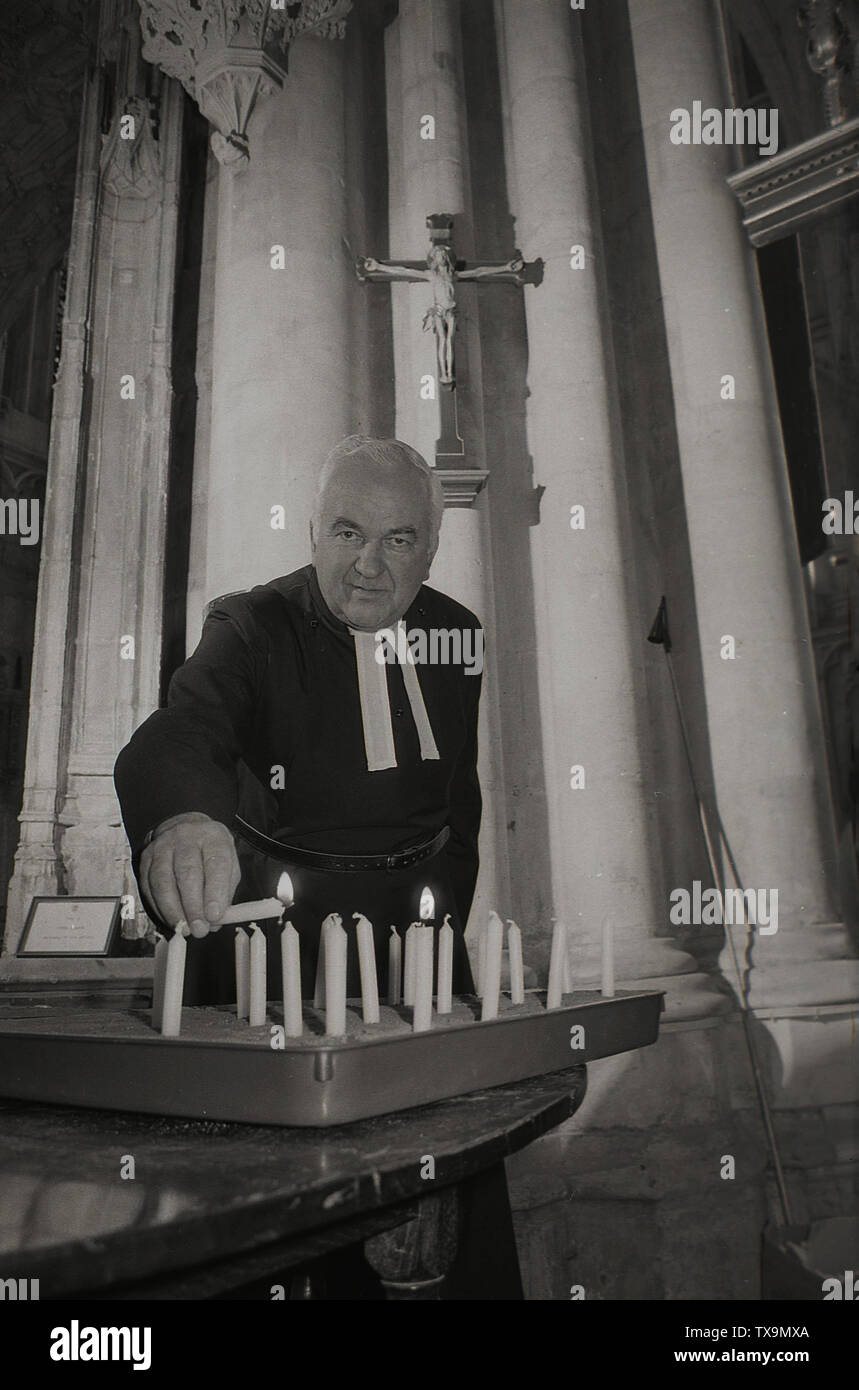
[(413, 1259)]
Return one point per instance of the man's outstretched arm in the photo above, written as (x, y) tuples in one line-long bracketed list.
[(176, 779)]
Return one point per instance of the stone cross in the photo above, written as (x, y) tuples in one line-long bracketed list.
[(442, 271)]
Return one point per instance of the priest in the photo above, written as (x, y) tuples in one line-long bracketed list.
[(320, 727)]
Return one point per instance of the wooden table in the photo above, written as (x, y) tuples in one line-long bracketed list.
[(217, 1210)]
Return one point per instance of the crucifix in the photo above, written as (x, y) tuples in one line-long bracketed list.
[(442, 271)]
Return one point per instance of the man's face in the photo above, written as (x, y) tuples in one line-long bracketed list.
[(371, 542)]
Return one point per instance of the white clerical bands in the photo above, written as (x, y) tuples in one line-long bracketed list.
[(375, 704)]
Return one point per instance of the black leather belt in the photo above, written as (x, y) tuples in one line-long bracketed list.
[(340, 863)]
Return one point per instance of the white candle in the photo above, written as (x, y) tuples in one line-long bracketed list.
[(319, 982), (568, 970), (335, 975), (556, 966), (409, 967), (174, 982), (481, 961), (444, 990), (160, 964), (494, 936), (367, 966), (517, 970), (395, 966), (257, 993), (243, 974), (259, 911), (290, 967), (607, 987), (422, 1017)]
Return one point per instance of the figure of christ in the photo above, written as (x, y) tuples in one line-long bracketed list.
[(441, 274)]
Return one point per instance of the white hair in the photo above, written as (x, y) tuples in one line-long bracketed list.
[(390, 453)]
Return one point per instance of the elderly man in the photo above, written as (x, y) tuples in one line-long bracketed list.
[(355, 764)]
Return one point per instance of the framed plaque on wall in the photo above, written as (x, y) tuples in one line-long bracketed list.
[(70, 927)]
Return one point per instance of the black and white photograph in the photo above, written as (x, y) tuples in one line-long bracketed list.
[(429, 671)]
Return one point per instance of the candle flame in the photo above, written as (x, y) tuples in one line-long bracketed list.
[(427, 907), (284, 890)]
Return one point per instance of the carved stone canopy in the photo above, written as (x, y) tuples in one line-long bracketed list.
[(229, 53)]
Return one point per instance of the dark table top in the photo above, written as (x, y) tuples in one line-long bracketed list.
[(206, 1190)]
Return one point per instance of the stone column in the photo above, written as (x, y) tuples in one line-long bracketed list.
[(605, 862), (281, 375), (36, 863), (98, 625), (281, 379), (764, 722), (198, 595), (430, 175), (116, 658)]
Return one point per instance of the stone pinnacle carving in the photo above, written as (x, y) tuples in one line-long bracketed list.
[(832, 51), (130, 160), (229, 53)]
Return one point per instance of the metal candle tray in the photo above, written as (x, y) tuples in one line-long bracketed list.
[(85, 1057)]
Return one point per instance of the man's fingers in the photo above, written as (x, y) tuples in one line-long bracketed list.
[(222, 874), (161, 886), (188, 871)]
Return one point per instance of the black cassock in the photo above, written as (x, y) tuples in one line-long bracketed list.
[(265, 719)]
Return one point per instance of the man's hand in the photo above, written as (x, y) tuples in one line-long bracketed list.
[(190, 871)]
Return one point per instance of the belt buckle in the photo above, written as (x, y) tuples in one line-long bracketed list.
[(390, 865)]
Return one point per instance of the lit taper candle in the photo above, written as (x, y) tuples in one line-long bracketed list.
[(261, 909)]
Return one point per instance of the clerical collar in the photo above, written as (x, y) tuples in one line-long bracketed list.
[(375, 701), (372, 678)]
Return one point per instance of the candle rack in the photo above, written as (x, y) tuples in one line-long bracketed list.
[(229, 1071)]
